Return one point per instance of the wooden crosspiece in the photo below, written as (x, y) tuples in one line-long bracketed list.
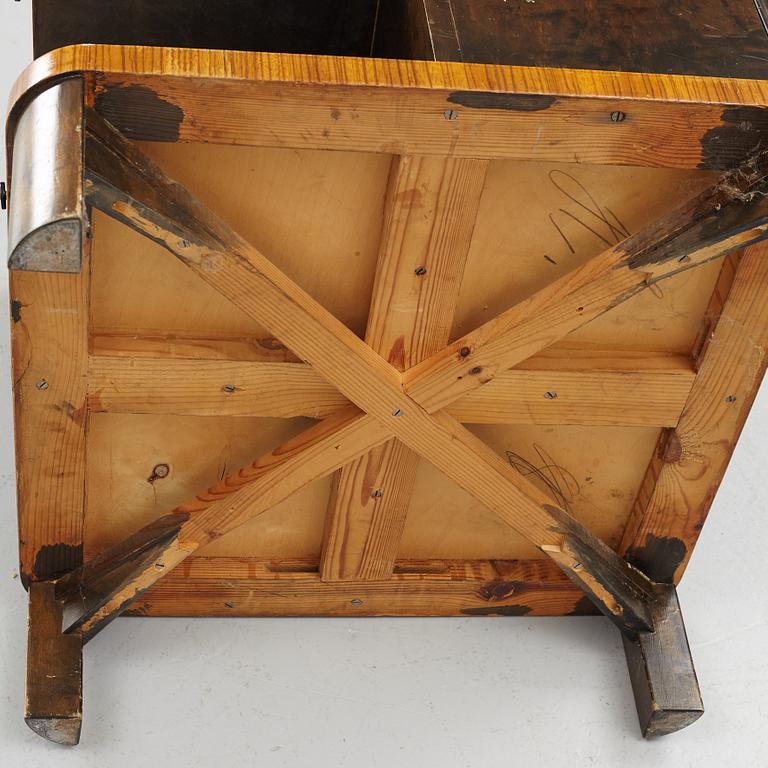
[(123, 183), (391, 400)]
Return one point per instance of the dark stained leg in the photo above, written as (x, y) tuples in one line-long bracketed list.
[(661, 670), (54, 701)]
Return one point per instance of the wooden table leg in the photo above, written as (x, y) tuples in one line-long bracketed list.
[(54, 701), (662, 673)]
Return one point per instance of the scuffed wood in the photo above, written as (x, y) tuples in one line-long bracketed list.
[(54, 698), (46, 221), (731, 364)]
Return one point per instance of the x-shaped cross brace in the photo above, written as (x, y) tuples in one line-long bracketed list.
[(123, 183)]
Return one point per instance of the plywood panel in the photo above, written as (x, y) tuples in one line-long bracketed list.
[(124, 491), (316, 214), (538, 221), (597, 471)]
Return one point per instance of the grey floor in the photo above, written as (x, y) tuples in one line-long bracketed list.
[(440, 692)]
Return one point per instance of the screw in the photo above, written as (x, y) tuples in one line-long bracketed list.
[(550, 395), (159, 472), (451, 114), (618, 117), (730, 399), (229, 388), (684, 259), (42, 384), (464, 351), (184, 243), (357, 601), (376, 494), (397, 412), (420, 271), (159, 566), (229, 605)]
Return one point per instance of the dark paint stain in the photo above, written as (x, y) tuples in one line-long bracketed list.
[(659, 557), (496, 590), (736, 140), (499, 610), (584, 607), (673, 451), (54, 560), (517, 102), (628, 589), (16, 311), (139, 113)]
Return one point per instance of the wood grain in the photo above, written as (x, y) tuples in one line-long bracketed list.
[(398, 106), (50, 362), (667, 520), (429, 218), (574, 386), (126, 185), (249, 587)]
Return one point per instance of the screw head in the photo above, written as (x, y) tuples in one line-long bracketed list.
[(420, 271), (731, 399), (229, 388), (397, 412), (356, 601), (451, 114), (551, 395), (376, 494), (42, 384), (618, 117)]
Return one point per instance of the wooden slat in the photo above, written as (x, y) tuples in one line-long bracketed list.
[(54, 697), (398, 106), (206, 586), (609, 389), (209, 388), (684, 479), (729, 215), (125, 184), (50, 358), (239, 497), (429, 218)]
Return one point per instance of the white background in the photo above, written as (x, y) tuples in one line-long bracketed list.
[(479, 692)]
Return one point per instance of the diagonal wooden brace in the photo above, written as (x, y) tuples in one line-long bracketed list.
[(129, 187), (104, 587), (126, 185)]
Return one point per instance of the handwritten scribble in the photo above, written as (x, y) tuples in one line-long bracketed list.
[(554, 478), (598, 219)]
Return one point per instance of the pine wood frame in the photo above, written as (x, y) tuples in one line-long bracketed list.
[(366, 401)]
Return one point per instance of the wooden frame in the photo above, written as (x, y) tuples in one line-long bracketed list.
[(382, 401)]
